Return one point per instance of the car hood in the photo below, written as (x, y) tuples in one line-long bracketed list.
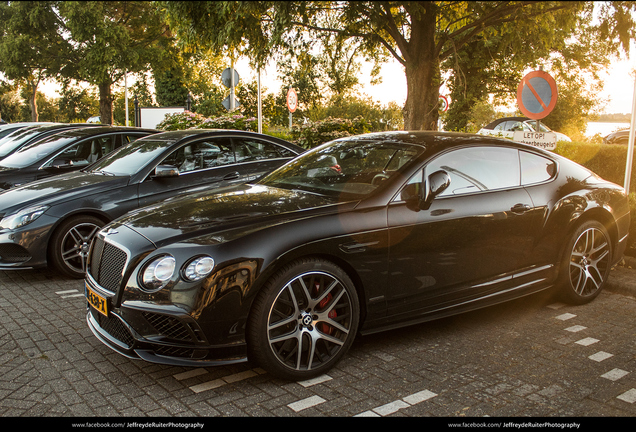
[(244, 208), (57, 189)]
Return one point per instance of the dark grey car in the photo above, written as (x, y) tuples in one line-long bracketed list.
[(52, 221)]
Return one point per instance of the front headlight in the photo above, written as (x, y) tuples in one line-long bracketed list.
[(198, 268), (158, 273), (22, 218)]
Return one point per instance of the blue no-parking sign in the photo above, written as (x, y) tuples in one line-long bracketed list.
[(537, 95)]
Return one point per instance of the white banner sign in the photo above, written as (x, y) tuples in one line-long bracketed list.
[(544, 140)]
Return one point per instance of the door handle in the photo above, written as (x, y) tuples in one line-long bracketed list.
[(520, 208), (231, 176)]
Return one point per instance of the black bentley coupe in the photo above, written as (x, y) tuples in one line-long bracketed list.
[(361, 234)]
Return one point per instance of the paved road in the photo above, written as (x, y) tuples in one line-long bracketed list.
[(528, 358)]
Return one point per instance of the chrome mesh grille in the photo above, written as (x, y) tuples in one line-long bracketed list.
[(107, 264), (168, 326), (114, 327)]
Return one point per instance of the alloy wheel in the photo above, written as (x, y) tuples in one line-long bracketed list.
[(76, 244), (309, 321), (589, 261)]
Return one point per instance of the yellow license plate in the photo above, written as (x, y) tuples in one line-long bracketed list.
[(98, 302)]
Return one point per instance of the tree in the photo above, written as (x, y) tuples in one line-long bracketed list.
[(31, 48), (77, 104), (420, 35), (492, 65), (108, 39)]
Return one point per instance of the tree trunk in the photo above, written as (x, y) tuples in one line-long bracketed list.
[(33, 101), (105, 103), (423, 78)]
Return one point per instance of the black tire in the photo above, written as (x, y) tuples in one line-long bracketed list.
[(68, 248), (311, 304), (586, 264)]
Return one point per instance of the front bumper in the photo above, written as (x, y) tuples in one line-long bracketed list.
[(26, 247), (154, 334)]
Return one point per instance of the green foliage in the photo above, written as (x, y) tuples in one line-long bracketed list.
[(313, 134), (9, 103), (77, 104), (608, 161), (190, 120), (378, 117), (180, 121)]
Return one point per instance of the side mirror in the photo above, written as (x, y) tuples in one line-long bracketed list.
[(420, 195), (435, 185), (163, 171)]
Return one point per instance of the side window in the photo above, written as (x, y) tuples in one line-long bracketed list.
[(78, 154), (200, 155), (478, 169), (500, 127), (515, 126), (249, 149), (535, 168)]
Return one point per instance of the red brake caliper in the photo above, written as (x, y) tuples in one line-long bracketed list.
[(325, 328)]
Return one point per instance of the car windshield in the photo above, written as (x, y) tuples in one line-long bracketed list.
[(35, 152), (131, 158), (15, 139), (343, 169)]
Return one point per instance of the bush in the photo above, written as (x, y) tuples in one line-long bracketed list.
[(235, 122), (180, 121), (608, 161), (190, 120), (313, 134)]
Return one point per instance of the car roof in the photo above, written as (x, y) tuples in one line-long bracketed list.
[(429, 138), (89, 130), (494, 123), (178, 135)]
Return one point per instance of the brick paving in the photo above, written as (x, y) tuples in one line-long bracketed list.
[(530, 358)]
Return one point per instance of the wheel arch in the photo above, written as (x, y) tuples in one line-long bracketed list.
[(270, 270), (82, 212), (602, 216)]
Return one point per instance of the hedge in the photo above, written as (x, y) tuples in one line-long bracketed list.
[(608, 161)]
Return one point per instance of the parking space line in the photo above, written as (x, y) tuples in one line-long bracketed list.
[(587, 341), (576, 328), (71, 293), (565, 316), (614, 374), (629, 396), (306, 403), (395, 406), (600, 356), (240, 376), (318, 380), (190, 374)]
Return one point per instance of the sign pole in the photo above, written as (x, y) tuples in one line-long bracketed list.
[(630, 143), (260, 104)]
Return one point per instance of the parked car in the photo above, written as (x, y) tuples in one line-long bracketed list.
[(52, 221), (506, 127), (65, 151), (30, 134), (7, 128), (410, 226), (618, 137)]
